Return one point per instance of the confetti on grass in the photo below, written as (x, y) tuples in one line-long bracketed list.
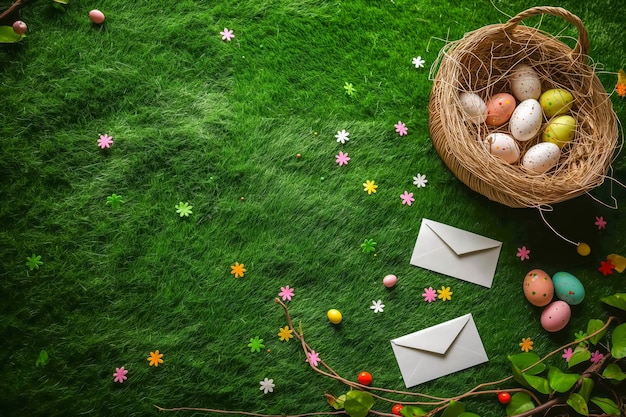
[(429, 295), (350, 90), (313, 358), (33, 262), (256, 344), (606, 267), (155, 358), (596, 356), (567, 354), (238, 269), (407, 198), (183, 209), (523, 253), (267, 385), (105, 141), (285, 333), (342, 136), (227, 35), (526, 344), (369, 186), (342, 158), (114, 201), (444, 293), (286, 293), (600, 222), (120, 375), (42, 359), (368, 246), (401, 128), (418, 62), (377, 306), (420, 181)]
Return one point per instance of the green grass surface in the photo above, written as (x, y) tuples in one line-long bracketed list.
[(203, 121)]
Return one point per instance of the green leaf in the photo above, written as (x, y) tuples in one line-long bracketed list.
[(454, 409), (616, 300), (585, 388), (519, 378), (560, 381), (8, 35), (358, 403), (524, 360), (578, 403), (42, 359), (520, 403), (336, 403), (411, 411), (538, 383), (607, 405), (469, 415), (613, 371), (618, 338), (593, 326), (580, 355)]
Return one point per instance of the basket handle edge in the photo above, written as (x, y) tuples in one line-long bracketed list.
[(582, 44)]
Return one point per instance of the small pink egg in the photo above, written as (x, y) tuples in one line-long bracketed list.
[(390, 280), (500, 107), (555, 316), (538, 288), (19, 27), (96, 16)]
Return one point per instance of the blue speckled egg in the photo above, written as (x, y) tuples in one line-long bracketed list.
[(568, 288)]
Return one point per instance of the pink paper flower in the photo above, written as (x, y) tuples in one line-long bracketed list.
[(286, 293), (120, 375), (523, 253), (401, 128), (429, 295), (600, 222), (342, 158), (407, 198), (596, 356), (227, 35), (313, 358), (105, 141), (567, 354)]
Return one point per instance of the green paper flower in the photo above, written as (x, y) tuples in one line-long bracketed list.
[(183, 209), (368, 245), (42, 359), (579, 336), (256, 344), (114, 201), (33, 262), (350, 90)]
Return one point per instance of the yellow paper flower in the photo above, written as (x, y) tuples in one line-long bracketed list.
[(526, 344), (444, 293), (285, 333), (237, 269), (155, 358), (370, 187)]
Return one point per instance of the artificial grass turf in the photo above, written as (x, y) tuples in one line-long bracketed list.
[(200, 120)]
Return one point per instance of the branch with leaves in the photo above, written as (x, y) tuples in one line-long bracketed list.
[(597, 390)]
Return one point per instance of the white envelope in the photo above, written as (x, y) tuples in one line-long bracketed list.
[(455, 252), (439, 350)]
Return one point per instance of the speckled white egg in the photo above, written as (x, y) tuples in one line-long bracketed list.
[(525, 82), (541, 157), (502, 146), (474, 107), (526, 120)]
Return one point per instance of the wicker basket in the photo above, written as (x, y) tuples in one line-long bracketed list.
[(481, 63)]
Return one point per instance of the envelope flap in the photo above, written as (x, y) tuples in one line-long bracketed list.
[(436, 339), (460, 241)]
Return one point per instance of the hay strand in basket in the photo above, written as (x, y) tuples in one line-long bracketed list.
[(481, 63)]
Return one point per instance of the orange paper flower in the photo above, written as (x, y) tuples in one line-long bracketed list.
[(155, 358), (526, 344), (237, 269), (620, 89)]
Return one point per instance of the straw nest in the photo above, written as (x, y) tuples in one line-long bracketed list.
[(481, 62)]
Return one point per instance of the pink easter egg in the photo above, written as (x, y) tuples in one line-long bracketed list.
[(96, 16), (390, 280)]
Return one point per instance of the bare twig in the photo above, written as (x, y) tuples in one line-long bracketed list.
[(14, 7)]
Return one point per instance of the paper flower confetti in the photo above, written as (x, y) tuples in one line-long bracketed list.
[(42, 359), (33, 262), (227, 35), (267, 385), (523, 253), (401, 128), (105, 141), (313, 358), (600, 222), (342, 158), (350, 90), (377, 306), (155, 358), (238, 269), (579, 336), (420, 181), (285, 333), (370, 187), (256, 344), (606, 267), (429, 295), (368, 246), (418, 62), (567, 354), (114, 201), (620, 87), (286, 293), (407, 198), (526, 344), (183, 209), (444, 293), (342, 136), (596, 356), (120, 375)]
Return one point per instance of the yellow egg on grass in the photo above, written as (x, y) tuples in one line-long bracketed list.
[(556, 101), (560, 131), (334, 316)]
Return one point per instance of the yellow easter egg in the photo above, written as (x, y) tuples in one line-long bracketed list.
[(334, 316), (560, 131), (556, 101)]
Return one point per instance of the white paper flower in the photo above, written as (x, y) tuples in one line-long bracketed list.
[(377, 306), (418, 62), (342, 136), (267, 385), (420, 180)]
